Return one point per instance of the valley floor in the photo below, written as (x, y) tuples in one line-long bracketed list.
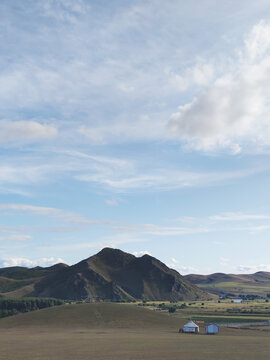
[(118, 344)]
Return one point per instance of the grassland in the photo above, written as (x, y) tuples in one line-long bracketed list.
[(123, 332), (236, 287), (257, 284), (221, 312)]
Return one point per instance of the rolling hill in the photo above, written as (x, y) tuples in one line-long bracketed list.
[(257, 284), (93, 316)]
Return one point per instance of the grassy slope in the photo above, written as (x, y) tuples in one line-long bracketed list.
[(7, 285), (93, 315)]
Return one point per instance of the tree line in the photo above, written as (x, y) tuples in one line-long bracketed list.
[(14, 306)]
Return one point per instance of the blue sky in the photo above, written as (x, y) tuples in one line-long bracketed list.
[(141, 125)]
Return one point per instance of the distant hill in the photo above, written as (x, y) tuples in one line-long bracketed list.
[(115, 275), (257, 284), (109, 275), (17, 277)]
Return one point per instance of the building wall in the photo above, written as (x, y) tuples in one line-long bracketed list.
[(190, 330), (212, 329)]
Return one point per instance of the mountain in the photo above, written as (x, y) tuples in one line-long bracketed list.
[(109, 275), (257, 284)]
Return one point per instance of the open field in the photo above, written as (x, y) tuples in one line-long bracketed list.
[(221, 312), (117, 331), (120, 344)]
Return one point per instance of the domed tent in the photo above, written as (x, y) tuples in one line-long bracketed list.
[(191, 327)]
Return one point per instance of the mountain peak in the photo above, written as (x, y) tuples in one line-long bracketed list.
[(111, 251), (113, 274)]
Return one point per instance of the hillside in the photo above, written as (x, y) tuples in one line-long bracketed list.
[(115, 275), (257, 284), (93, 316), (17, 278)]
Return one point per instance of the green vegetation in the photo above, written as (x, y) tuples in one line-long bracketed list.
[(10, 307), (22, 273), (7, 284), (221, 311)]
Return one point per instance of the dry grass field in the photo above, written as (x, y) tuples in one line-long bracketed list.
[(115, 331)]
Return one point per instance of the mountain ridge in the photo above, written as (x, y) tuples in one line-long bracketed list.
[(113, 275)]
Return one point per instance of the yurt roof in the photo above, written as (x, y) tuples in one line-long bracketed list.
[(191, 324)]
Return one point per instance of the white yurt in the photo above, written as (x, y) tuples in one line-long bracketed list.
[(191, 327), (212, 329), (237, 301)]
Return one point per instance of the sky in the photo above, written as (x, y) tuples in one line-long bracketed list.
[(138, 125)]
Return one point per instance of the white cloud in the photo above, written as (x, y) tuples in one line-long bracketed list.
[(111, 202), (201, 74), (25, 131), (258, 40), (20, 261), (234, 111), (253, 268), (141, 253), (182, 269)]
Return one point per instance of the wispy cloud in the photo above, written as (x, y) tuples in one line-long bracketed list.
[(65, 216), (234, 216), (229, 221), (15, 237), (162, 180), (113, 241), (158, 230)]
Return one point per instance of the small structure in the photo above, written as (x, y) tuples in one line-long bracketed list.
[(237, 301), (211, 329), (191, 327)]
